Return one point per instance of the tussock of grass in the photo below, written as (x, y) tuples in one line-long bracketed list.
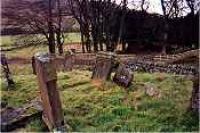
[(108, 107)]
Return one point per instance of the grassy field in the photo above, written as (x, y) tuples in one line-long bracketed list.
[(8, 41), (91, 107), (28, 52)]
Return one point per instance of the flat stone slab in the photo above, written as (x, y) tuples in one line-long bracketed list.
[(12, 118)]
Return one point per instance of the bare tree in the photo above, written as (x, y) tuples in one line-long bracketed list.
[(172, 9), (122, 23), (190, 3), (37, 17), (98, 20), (79, 10)]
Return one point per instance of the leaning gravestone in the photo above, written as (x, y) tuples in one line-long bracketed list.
[(6, 71), (103, 66), (123, 76), (47, 78)]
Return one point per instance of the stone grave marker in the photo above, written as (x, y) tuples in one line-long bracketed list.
[(103, 66), (123, 76), (6, 72), (47, 78), (68, 62)]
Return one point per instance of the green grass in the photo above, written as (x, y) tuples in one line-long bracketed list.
[(88, 107), (9, 41), (72, 37), (27, 52)]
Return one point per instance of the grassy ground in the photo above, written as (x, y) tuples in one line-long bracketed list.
[(91, 107), (28, 52), (8, 41)]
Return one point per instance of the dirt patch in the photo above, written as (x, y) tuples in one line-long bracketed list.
[(97, 83)]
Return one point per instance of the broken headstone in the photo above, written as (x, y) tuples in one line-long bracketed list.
[(123, 76), (12, 118)]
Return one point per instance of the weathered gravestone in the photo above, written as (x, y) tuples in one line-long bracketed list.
[(47, 78), (6, 72), (68, 62), (103, 66), (123, 76)]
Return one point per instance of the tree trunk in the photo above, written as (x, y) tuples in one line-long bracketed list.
[(101, 45), (51, 40), (51, 44), (59, 31), (164, 49), (59, 43), (165, 37), (82, 42), (123, 46), (122, 22), (60, 49)]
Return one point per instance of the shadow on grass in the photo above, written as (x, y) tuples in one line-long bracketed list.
[(67, 86)]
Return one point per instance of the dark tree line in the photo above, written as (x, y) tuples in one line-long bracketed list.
[(103, 23), (98, 21)]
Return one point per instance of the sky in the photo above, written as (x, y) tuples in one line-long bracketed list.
[(154, 5)]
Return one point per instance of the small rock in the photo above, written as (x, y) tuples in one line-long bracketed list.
[(152, 90)]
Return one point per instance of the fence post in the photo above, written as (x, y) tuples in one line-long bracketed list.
[(47, 78)]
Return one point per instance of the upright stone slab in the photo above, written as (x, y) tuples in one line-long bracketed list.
[(123, 76), (47, 78), (103, 66), (6, 71), (68, 62)]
